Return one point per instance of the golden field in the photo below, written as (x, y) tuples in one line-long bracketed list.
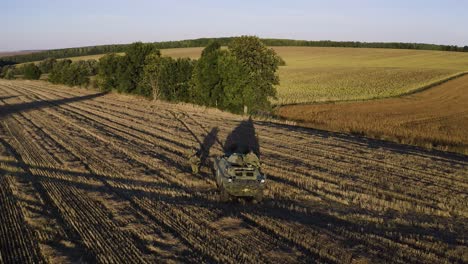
[(435, 118), (336, 74)]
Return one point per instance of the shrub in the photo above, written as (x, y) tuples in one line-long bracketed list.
[(31, 72), (166, 78), (107, 69), (125, 73), (9, 74), (47, 65), (57, 73), (149, 85), (129, 74), (72, 74)]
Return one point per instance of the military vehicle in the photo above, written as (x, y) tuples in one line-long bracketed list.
[(237, 177)]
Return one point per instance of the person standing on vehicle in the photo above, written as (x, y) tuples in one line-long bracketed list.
[(252, 159)]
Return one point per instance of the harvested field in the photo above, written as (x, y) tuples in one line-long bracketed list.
[(435, 118), (103, 178)]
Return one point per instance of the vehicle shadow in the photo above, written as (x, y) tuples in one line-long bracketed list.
[(208, 142), (243, 139), (6, 110)]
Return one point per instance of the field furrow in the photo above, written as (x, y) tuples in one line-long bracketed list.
[(115, 170), (128, 187), (18, 242), (76, 207)]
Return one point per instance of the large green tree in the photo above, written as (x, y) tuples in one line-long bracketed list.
[(131, 67), (174, 78), (167, 78), (31, 72), (47, 65), (76, 74), (235, 83), (184, 70), (149, 85), (57, 74), (70, 73), (206, 89), (107, 70), (261, 63)]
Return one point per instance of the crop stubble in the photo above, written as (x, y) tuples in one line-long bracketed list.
[(109, 172)]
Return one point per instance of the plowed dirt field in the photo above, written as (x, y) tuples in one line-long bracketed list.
[(103, 178)]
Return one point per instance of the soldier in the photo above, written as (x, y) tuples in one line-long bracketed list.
[(252, 159), (236, 159), (194, 160)]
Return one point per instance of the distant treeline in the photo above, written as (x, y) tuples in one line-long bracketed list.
[(357, 44), (203, 42)]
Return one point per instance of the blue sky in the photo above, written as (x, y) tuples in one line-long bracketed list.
[(47, 24)]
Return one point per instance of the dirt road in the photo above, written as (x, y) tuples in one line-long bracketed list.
[(103, 177)]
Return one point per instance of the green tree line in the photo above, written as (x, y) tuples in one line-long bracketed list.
[(72, 73), (60, 71), (239, 79), (203, 42)]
